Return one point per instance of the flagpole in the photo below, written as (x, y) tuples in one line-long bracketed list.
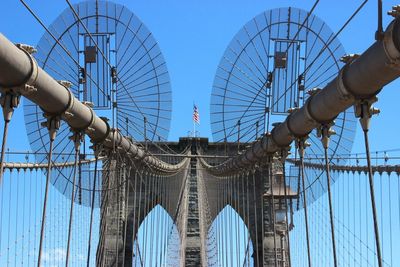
[(194, 122), (194, 128)]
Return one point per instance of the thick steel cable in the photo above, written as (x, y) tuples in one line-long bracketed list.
[(87, 31), (134, 213), (301, 152), (273, 216), (57, 41), (118, 173), (9, 101), (45, 201), (52, 134), (153, 203), (145, 222), (248, 216), (287, 215), (138, 216), (302, 25), (320, 53), (241, 189), (379, 31), (225, 220), (236, 188), (230, 190), (71, 210), (139, 253), (127, 191), (218, 230), (331, 216), (3, 149), (255, 219), (324, 48), (263, 213), (105, 58), (66, 50), (92, 211), (372, 195)]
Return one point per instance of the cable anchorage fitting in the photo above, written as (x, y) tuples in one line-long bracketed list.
[(283, 153), (77, 137), (98, 149), (9, 100), (395, 12), (364, 110), (302, 144), (52, 124), (325, 131)]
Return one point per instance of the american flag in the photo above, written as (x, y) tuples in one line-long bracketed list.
[(196, 116)]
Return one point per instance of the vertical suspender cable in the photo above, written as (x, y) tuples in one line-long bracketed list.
[(127, 192), (8, 102), (256, 221), (364, 111), (328, 180), (379, 31), (77, 141), (272, 214), (119, 172), (238, 138), (325, 133), (301, 147), (236, 188), (3, 148), (372, 195), (286, 207), (92, 209), (53, 124)]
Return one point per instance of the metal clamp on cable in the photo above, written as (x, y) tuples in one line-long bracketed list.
[(9, 100), (292, 133), (10, 95), (389, 45), (302, 144), (89, 128), (284, 153), (343, 90), (77, 137), (307, 110), (52, 124), (117, 139), (27, 88), (66, 113), (98, 149), (325, 131), (107, 134), (364, 110)]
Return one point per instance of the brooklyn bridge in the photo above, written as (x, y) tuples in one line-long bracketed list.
[(277, 184)]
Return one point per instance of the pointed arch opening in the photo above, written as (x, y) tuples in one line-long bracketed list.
[(157, 242), (229, 241)]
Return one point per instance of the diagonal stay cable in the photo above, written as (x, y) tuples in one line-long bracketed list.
[(324, 48), (101, 52), (57, 41), (259, 90), (302, 25)]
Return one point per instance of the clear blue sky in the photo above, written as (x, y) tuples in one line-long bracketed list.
[(193, 36)]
